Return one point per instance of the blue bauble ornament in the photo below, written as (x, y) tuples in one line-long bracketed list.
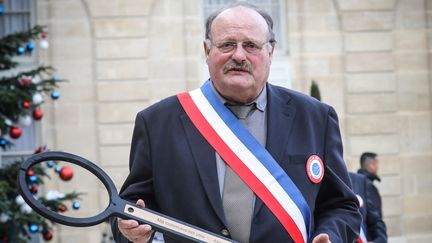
[(21, 50), (1, 10), (55, 95), (33, 228), (33, 179), (76, 205), (55, 78), (30, 46), (3, 142), (50, 164), (58, 169)]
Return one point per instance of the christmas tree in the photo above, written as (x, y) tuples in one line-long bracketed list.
[(21, 95)]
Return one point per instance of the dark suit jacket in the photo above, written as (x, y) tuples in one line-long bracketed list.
[(375, 226), (173, 168)]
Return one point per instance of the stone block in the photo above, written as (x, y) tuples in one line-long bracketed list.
[(68, 137), (322, 43), (321, 7), (368, 41), (122, 69), (416, 165), (389, 165), (372, 124), (117, 174), (425, 237), (394, 228), (122, 48), (415, 133), (419, 224), (121, 27), (371, 103), (424, 184), (319, 23), (369, 62), (410, 40), (411, 15), (167, 69), (391, 206), (114, 155), (390, 185), (116, 134), (413, 91), (162, 88), (73, 92), (352, 5), (70, 10), (123, 91), (383, 144), (103, 8), (417, 206), (412, 61), (118, 112), (370, 82), (409, 185), (367, 20)]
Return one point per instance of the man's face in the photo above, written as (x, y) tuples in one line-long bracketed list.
[(239, 74), (373, 167)]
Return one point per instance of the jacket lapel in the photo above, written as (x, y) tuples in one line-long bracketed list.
[(205, 158), (280, 117)]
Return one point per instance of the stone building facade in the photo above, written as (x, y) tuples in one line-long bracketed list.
[(371, 59)]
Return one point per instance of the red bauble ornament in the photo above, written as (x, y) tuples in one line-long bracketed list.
[(34, 189), (62, 208), (15, 132), (37, 113), (30, 173), (66, 173), (26, 104), (48, 236)]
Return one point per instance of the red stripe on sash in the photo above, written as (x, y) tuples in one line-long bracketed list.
[(238, 166)]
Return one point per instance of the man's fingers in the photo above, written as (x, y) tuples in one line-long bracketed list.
[(140, 202), (127, 223)]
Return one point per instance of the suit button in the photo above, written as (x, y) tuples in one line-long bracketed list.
[(225, 232)]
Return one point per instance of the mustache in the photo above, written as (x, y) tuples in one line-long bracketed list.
[(230, 66)]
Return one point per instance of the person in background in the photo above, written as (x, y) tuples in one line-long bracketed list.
[(374, 228), (369, 168), (240, 157)]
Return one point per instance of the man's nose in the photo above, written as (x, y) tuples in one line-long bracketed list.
[(239, 54)]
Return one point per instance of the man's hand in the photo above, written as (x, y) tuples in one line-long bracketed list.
[(133, 231), (321, 238)]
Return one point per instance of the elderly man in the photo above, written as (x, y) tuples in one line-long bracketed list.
[(240, 157)]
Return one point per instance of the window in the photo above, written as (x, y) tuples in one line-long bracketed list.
[(17, 16)]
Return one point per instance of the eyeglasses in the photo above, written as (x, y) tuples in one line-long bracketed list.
[(249, 46)]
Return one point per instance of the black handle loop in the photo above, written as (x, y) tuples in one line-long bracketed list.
[(62, 156)]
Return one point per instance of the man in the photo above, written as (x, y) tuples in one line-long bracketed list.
[(369, 168), (373, 226), (300, 191)]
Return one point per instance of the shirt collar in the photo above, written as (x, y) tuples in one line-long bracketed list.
[(261, 100)]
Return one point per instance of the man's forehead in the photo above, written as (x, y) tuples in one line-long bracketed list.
[(239, 17)]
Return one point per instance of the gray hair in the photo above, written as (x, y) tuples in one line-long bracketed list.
[(262, 12)]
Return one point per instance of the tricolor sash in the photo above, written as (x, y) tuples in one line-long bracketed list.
[(249, 159), (362, 237)]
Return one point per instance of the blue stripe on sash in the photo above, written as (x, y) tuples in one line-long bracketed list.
[(259, 151)]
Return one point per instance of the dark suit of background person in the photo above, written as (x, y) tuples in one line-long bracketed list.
[(369, 168), (375, 226), (172, 167)]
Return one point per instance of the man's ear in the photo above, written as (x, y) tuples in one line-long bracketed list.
[(206, 46)]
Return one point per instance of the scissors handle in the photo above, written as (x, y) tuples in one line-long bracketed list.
[(165, 224)]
